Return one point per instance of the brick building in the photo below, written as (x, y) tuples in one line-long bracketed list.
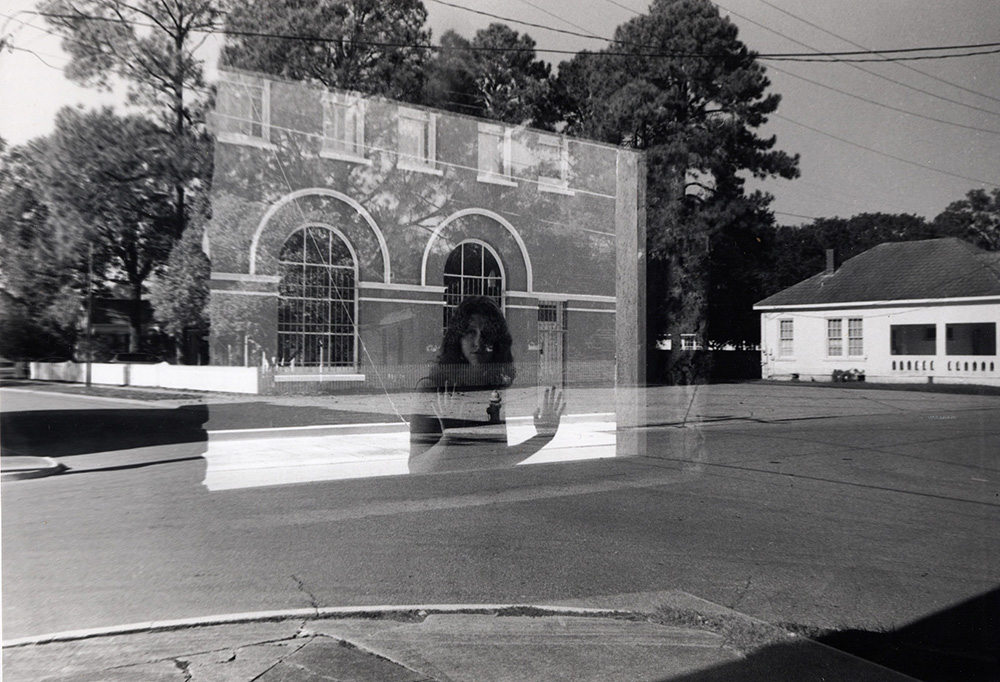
[(345, 228)]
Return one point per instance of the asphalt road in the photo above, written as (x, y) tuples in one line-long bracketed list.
[(819, 507)]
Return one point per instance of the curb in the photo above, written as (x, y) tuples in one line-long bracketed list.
[(34, 467), (309, 613)]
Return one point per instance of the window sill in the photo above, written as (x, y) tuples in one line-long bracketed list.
[(419, 168), (544, 185), (246, 141), (341, 156), (492, 179)]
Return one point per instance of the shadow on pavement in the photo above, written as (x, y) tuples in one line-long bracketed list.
[(70, 433), (959, 643)]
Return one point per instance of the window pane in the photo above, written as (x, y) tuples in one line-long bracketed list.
[(342, 127), (491, 153), (241, 111), (550, 159), (913, 339), (855, 337), (977, 338), (472, 259), (834, 337), (413, 140), (471, 270), (316, 300), (785, 346)]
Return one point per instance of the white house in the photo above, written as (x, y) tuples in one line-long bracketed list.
[(920, 311)]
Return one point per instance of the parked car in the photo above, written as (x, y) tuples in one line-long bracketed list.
[(138, 358)]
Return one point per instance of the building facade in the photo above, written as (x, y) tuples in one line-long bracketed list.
[(922, 311), (345, 228)]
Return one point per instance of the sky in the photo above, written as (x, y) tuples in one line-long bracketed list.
[(894, 137)]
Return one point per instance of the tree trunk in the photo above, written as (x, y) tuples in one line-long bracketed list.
[(135, 320)]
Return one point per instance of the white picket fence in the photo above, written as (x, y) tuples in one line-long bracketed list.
[(163, 375)]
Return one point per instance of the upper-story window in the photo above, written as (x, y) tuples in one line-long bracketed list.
[(495, 151), (417, 140), (343, 126), (244, 111), (552, 153)]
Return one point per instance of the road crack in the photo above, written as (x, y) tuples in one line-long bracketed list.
[(313, 602), (184, 667)]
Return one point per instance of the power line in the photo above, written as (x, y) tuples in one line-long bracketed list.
[(525, 23), (795, 215), (858, 45), (779, 56), (890, 156), (853, 64), (884, 105), (36, 56)]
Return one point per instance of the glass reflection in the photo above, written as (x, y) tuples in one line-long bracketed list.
[(461, 419)]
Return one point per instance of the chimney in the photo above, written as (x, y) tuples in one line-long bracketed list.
[(831, 264)]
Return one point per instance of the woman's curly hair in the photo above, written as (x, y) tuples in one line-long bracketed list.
[(453, 365)]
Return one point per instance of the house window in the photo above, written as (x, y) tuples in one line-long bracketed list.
[(913, 339), (343, 126), (472, 269), (977, 338), (834, 337), (855, 337), (494, 154), (316, 300), (553, 162), (785, 338), (417, 140), (689, 342), (244, 111)]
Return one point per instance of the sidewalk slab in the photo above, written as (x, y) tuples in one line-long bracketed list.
[(492, 648), (448, 643)]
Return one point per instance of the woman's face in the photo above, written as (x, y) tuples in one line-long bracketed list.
[(475, 348)]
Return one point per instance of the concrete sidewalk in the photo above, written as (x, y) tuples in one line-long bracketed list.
[(658, 636)]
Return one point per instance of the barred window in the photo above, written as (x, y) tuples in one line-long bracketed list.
[(834, 337), (472, 269), (855, 337), (786, 338), (548, 312), (316, 300)]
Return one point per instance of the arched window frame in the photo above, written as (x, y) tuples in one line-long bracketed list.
[(449, 305), (352, 362)]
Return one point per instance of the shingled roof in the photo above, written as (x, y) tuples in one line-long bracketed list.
[(896, 271)]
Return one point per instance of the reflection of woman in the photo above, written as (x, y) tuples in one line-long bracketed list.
[(461, 422)]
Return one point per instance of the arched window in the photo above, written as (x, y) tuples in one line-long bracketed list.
[(472, 269), (316, 300)]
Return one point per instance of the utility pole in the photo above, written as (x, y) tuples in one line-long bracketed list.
[(90, 308)]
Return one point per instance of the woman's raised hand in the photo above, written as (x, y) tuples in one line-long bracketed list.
[(550, 411), (446, 401)]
